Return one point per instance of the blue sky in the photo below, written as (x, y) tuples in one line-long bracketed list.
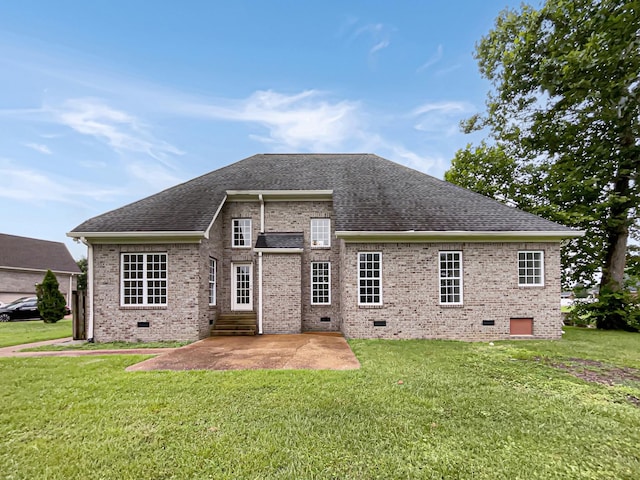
[(106, 102)]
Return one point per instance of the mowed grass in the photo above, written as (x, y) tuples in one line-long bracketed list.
[(16, 333), (416, 409)]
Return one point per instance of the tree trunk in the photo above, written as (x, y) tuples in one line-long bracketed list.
[(617, 233), (615, 259)]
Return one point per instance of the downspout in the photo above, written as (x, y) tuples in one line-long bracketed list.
[(260, 268), (69, 291), (89, 288)]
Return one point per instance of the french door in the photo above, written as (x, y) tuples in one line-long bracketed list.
[(241, 286)]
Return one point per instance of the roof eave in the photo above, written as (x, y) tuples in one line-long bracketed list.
[(278, 250), (279, 195), (207, 232), (140, 237), (452, 235), (39, 270)]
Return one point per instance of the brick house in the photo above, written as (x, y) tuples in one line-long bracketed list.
[(351, 243), (24, 261)]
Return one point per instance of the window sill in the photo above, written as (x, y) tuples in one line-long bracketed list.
[(452, 305), (320, 304), (143, 307), (531, 286), (237, 247), (320, 247), (366, 306)]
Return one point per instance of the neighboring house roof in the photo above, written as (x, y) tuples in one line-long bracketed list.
[(370, 194), (280, 240), (34, 254)]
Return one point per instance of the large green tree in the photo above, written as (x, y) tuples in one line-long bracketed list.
[(82, 278), (563, 118)]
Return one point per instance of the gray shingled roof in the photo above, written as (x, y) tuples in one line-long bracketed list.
[(25, 252), (370, 193), (280, 240)]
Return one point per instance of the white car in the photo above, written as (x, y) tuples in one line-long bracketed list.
[(569, 301)]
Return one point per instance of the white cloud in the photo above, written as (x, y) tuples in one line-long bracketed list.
[(38, 148), (92, 164), (25, 184), (379, 46), (155, 176), (444, 107), (121, 131), (302, 121), (371, 29), (378, 33), (435, 58), (441, 118)]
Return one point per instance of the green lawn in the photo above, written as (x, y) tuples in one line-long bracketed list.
[(416, 409), (16, 333)]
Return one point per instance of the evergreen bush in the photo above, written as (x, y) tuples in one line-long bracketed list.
[(51, 302)]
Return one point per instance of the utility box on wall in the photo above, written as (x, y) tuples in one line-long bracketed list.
[(521, 326)]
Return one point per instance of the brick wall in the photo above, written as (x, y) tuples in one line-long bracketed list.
[(490, 285), (179, 320), (281, 293), (211, 248), (410, 285), (230, 211), (283, 217), (296, 217)]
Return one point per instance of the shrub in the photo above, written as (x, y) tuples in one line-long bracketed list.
[(612, 311), (51, 302)]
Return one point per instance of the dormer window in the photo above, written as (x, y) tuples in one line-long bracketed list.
[(320, 233)]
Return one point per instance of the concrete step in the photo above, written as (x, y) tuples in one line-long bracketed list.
[(226, 321), (234, 326), (229, 333)]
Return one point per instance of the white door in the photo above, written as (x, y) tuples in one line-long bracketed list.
[(241, 287)]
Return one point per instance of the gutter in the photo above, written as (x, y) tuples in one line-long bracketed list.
[(453, 235), (140, 237), (278, 250), (21, 269)]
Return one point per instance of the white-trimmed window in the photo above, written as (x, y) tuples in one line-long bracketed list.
[(241, 233), (450, 278), (369, 278), (320, 232), (213, 275), (531, 268), (320, 283), (143, 279)]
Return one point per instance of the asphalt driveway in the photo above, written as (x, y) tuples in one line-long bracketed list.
[(310, 351)]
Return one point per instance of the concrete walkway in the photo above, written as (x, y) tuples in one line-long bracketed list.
[(312, 351), (309, 351)]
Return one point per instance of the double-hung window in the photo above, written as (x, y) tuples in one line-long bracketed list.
[(143, 279), (241, 235), (212, 280), (320, 232), (320, 283), (451, 278), (369, 278), (530, 268)]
